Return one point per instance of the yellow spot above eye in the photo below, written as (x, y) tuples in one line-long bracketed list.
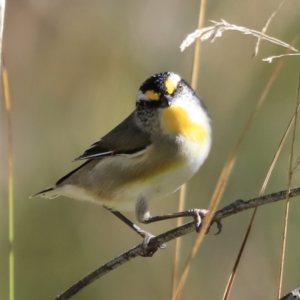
[(151, 95), (170, 86), (178, 121)]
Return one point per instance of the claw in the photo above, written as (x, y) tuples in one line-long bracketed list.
[(219, 226), (148, 248), (198, 215)]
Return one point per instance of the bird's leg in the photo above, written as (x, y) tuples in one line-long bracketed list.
[(143, 215), (133, 226), (197, 214), (144, 234)]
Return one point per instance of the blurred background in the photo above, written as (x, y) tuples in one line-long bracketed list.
[(75, 68)]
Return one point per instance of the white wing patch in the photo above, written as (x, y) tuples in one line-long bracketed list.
[(138, 153)]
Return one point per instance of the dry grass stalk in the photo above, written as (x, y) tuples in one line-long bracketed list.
[(182, 197), (181, 205), (261, 100), (287, 203), (255, 52), (222, 183), (270, 58), (220, 187), (215, 31), (239, 256), (10, 184), (183, 190), (235, 207), (212, 33), (5, 85)]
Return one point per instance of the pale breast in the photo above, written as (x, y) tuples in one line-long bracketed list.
[(118, 181)]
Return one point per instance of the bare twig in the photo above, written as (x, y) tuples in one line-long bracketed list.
[(155, 242)]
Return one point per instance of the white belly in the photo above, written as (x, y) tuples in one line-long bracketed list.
[(159, 186), (124, 196)]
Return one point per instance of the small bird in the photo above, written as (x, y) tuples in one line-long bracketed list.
[(153, 152)]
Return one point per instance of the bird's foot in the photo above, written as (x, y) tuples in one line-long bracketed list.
[(148, 246), (199, 215)]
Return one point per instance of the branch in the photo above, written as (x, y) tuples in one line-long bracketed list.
[(155, 242), (294, 294)]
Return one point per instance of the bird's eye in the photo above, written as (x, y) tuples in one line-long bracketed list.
[(180, 87)]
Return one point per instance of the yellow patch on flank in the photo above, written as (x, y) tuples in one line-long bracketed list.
[(149, 169), (151, 95), (170, 86), (178, 121)]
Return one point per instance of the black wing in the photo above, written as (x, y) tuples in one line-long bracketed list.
[(126, 138)]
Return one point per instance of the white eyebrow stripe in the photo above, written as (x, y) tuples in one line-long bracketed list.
[(175, 78)]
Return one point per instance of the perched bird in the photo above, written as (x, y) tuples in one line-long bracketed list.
[(154, 151)]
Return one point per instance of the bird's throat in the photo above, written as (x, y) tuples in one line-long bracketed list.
[(177, 121)]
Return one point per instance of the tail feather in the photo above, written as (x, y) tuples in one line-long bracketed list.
[(47, 193)]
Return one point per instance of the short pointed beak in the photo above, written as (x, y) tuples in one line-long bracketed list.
[(167, 100)]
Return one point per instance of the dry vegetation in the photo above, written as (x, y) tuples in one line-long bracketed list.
[(74, 69)]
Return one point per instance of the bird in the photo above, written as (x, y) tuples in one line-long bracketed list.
[(148, 156)]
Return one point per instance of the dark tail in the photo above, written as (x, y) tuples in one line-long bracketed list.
[(43, 193)]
